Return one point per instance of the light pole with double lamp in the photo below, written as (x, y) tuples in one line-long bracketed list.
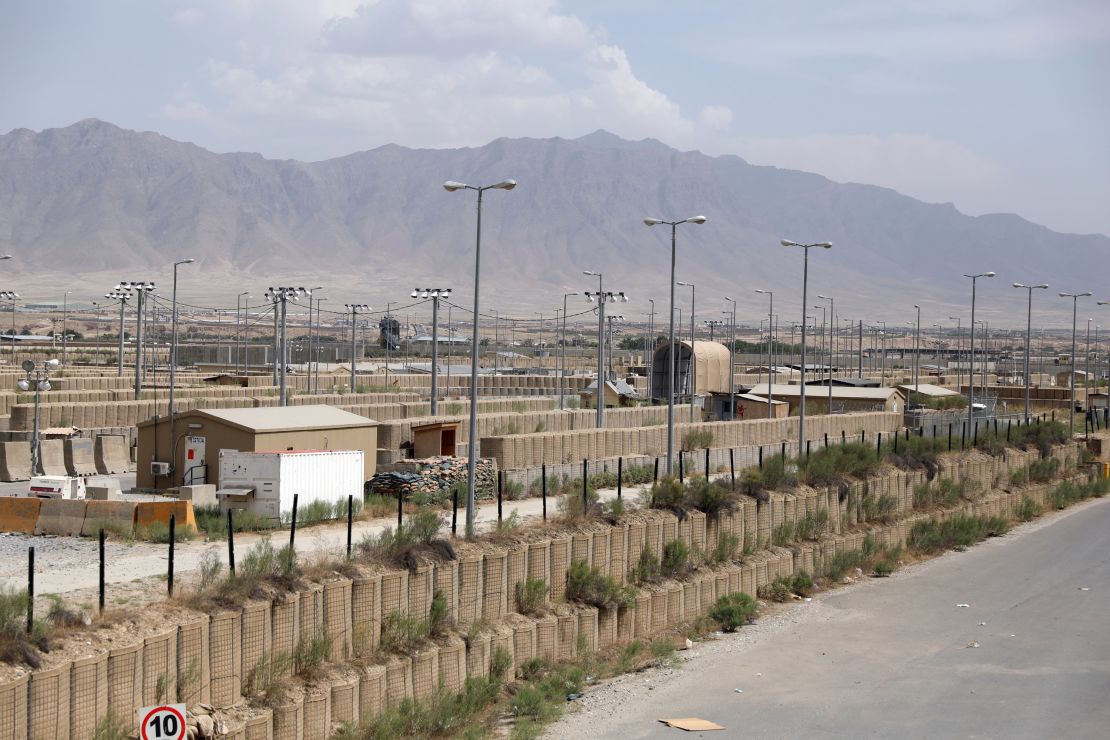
[(731, 360), (805, 287), (670, 332), (38, 379), (1074, 308), (563, 350), (280, 298), (65, 326), (173, 331), (472, 450), (971, 344), (123, 297), (137, 289), (1028, 336), (691, 368), (602, 297), (917, 351), (770, 346), (435, 294), (355, 309)]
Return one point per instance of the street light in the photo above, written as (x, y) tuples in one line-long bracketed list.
[(670, 338), (435, 294), (917, 351), (563, 349), (1028, 336), (602, 297), (173, 332), (472, 451), (11, 295), (124, 291), (98, 306), (731, 361), (805, 287), (770, 345), (238, 327), (691, 369), (38, 378), (280, 297), (123, 298), (971, 344), (354, 308), (1074, 308), (65, 323), (832, 350)]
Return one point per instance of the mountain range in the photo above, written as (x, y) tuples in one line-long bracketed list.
[(88, 205)]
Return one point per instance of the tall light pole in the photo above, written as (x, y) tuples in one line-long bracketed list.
[(65, 324), (319, 345), (280, 298), (670, 338), (691, 369), (971, 355), (959, 369), (11, 295), (805, 287), (1028, 336), (38, 378), (612, 351), (123, 297), (173, 332), (832, 352), (238, 328), (1074, 308), (435, 294), (917, 351), (354, 308), (649, 359), (98, 305), (563, 349), (602, 297), (126, 290), (732, 361), (472, 449), (824, 316), (770, 346)]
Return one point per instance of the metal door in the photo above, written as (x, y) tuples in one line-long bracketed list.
[(195, 470)]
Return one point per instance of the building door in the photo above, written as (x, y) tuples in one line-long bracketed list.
[(195, 470)]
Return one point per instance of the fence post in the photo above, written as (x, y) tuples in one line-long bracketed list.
[(732, 465), (975, 435), (963, 434), (500, 484), (293, 521), (350, 520), (807, 448), (896, 436), (230, 543), (761, 457), (681, 472), (1009, 425), (655, 472), (543, 488), (949, 436), (30, 588), (169, 566), (101, 548), (401, 507), (843, 437), (826, 439), (620, 475), (707, 463), (455, 510), (879, 444), (783, 453), (585, 486)]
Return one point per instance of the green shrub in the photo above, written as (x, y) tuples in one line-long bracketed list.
[(586, 585), (310, 656), (159, 532), (1027, 509), (676, 559), (782, 534), (647, 568), (16, 646), (839, 564), (881, 508), (812, 525), (777, 590), (726, 547), (697, 439), (531, 597), (777, 473), (667, 493), (961, 530), (1043, 470), (708, 496), (832, 465), (733, 610)]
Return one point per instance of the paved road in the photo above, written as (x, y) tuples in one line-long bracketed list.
[(890, 658)]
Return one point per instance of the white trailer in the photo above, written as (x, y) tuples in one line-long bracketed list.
[(264, 483)]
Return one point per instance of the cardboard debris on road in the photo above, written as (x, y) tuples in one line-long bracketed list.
[(691, 724)]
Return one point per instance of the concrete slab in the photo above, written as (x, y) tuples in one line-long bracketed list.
[(79, 456), (52, 457), (201, 495), (103, 488), (15, 461)]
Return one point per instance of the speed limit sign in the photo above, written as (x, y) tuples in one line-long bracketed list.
[(165, 722)]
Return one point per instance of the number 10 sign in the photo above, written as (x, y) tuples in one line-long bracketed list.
[(166, 722)]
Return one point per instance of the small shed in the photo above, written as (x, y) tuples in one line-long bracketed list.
[(1064, 378), (617, 393), (186, 451), (700, 368), (435, 439)]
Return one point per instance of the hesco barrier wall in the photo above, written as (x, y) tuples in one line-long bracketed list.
[(532, 450), (208, 658)]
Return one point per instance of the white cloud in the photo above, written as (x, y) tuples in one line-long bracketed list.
[(716, 116)]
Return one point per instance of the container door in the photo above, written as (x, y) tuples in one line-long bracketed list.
[(195, 470)]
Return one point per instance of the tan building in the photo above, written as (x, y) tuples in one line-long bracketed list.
[(189, 452), (701, 368), (845, 399)]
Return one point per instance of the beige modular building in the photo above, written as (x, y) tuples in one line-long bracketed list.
[(843, 398), (187, 451)]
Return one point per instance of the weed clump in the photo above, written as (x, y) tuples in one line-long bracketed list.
[(676, 559), (961, 530), (531, 597), (414, 537), (733, 610), (586, 585)]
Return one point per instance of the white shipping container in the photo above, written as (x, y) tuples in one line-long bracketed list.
[(264, 482)]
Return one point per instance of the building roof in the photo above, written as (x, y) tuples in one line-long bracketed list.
[(758, 399), (618, 386), (929, 389), (279, 418), (838, 391), (847, 382)]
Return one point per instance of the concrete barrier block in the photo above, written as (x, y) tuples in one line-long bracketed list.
[(15, 461), (111, 454), (203, 494), (79, 460), (52, 457), (106, 514), (19, 514), (61, 516), (149, 512)]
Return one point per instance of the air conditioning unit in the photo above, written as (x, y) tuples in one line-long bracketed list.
[(159, 468)]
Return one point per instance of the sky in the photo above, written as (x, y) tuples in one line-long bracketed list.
[(993, 105)]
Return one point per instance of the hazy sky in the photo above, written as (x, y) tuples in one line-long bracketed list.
[(995, 105)]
